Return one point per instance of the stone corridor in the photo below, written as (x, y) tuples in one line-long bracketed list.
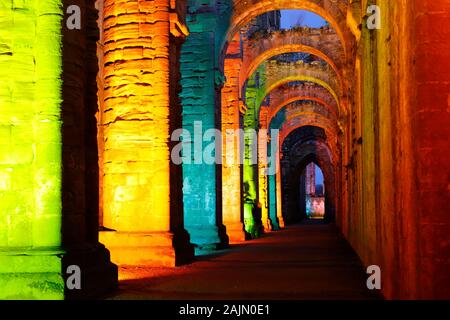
[(252, 149), (308, 261)]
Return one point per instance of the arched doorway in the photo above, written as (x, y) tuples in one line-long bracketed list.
[(312, 192)]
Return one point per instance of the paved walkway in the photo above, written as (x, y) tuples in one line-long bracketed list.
[(308, 261)]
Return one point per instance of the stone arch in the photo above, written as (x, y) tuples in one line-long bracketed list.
[(303, 145), (290, 91), (307, 120), (275, 110), (244, 11), (311, 119), (306, 110), (319, 77), (301, 155), (247, 71), (294, 111)]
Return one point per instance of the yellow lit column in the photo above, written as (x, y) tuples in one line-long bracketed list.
[(262, 169), (141, 188)]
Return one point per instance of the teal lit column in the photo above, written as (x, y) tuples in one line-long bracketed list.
[(200, 79), (272, 196), (275, 124)]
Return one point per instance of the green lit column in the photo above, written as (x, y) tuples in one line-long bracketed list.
[(35, 246), (250, 190), (253, 98), (30, 150)]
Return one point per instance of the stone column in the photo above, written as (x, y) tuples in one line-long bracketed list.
[(200, 81), (274, 206), (142, 191), (275, 213), (30, 157), (250, 167), (262, 168), (49, 205), (231, 152), (281, 223), (285, 187)]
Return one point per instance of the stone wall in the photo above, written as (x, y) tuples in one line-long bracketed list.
[(394, 174)]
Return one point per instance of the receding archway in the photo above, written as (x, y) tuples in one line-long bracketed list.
[(305, 145), (244, 11)]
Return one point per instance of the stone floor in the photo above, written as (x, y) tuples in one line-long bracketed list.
[(307, 261)]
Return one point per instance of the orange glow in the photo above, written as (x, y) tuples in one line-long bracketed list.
[(135, 121), (231, 173)]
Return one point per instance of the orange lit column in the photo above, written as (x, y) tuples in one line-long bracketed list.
[(142, 208), (262, 169), (231, 170)]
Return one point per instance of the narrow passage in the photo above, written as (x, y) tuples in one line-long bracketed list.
[(307, 261)]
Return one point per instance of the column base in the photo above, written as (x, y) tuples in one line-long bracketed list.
[(268, 226), (41, 274), (281, 223), (31, 274), (236, 232), (208, 239), (159, 249), (277, 224)]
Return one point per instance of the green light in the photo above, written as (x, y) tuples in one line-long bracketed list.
[(253, 97), (30, 149)]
